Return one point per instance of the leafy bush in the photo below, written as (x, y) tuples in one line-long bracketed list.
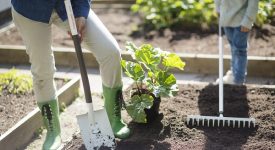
[(198, 13), (266, 12), (165, 13), (15, 83), (150, 71)]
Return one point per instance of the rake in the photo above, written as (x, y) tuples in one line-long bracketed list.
[(220, 120)]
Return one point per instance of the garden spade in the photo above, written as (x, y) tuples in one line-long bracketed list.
[(220, 120), (94, 126)]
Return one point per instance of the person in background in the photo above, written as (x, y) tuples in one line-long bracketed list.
[(34, 19), (237, 18)]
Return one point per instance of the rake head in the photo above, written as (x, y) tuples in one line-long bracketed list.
[(197, 120)]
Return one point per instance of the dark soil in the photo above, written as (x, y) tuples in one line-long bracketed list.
[(124, 26), (15, 107), (170, 131)]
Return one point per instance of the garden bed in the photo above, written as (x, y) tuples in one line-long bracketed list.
[(122, 23), (14, 107), (25, 118), (170, 131)]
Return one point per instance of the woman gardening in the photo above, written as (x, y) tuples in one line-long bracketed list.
[(34, 19)]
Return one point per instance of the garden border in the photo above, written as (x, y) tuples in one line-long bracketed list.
[(195, 63), (23, 131)]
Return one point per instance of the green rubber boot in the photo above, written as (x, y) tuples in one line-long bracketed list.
[(50, 114), (113, 107)]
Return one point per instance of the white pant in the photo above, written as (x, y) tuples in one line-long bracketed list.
[(37, 38)]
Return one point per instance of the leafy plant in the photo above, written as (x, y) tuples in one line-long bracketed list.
[(165, 13), (15, 83), (150, 71), (63, 107), (266, 12), (191, 13)]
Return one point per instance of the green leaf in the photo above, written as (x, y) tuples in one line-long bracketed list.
[(133, 70), (15, 82), (137, 105), (150, 74), (166, 84), (164, 91), (135, 8), (173, 60), (131, 47), (148, 56), (166, 79)]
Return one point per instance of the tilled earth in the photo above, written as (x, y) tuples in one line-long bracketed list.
[(170, 131), (14, 107)]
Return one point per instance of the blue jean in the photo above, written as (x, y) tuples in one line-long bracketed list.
[(238, 44)]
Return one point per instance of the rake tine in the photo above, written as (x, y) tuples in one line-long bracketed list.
[(208, 122), (234, 124), (252, 123), (202, 121), (243, 124), (238, 123), (193, 121), (218, 122)]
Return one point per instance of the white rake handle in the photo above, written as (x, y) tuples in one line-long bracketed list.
[(220, 69)]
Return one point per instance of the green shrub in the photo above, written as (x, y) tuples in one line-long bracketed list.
[(266, 12), (166, 13), (15, 83)]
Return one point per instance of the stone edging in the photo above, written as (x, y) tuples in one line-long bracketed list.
[(195, 63)]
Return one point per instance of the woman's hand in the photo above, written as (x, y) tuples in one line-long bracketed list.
[(244, 29), (80, 25)]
